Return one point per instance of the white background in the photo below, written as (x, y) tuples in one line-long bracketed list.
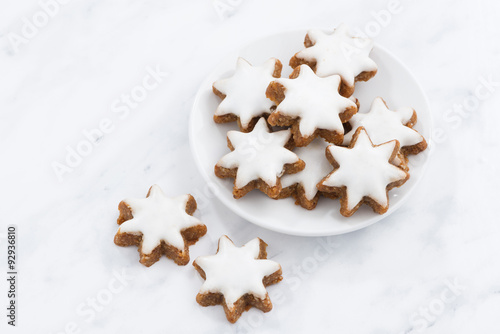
[(393, 277)]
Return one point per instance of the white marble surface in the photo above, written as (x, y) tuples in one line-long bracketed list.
[(393, 277)]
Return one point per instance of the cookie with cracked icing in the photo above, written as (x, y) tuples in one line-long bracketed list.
[(311, 105), (302, 185), (237, 277), (401, 161), (159, 225), (337, 53), (258, 159), (363, 173), (383, 125), (244, 93)]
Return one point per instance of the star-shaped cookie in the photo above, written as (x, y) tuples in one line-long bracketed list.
[(311, 105), (302, 185), (236, 277), (159, 225), (258, 160), (363, 173), (383, 125), (244, 93), (338, 53)]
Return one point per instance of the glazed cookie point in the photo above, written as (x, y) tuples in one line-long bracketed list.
[(302, 185)]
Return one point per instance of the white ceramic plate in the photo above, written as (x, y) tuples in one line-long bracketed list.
[(393, 82)]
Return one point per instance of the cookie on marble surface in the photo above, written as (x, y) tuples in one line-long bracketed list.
[(258, 160), (383, 125), (302, 185), (236, 277), (244, 93), (311, 105), (337, 53), (159, 225), (363, 173)]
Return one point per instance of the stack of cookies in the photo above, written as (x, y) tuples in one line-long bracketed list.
[(303, 137)]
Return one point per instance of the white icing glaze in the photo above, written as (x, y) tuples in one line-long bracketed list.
[(258, 154), (235, 271), (339, 53), (317, 167), (245, 91), (315, 100), (383, 125), (158, 218), (364, 170)]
